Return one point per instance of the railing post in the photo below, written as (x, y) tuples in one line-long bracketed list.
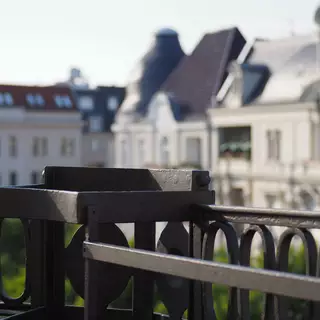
[(36, 263), (143, 281), (201, 182), (54, 261), (94, 306)]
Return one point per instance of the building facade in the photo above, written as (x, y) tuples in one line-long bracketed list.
[(254, 121), (39, 126), (98, 107), (168, 127), (265, 127)]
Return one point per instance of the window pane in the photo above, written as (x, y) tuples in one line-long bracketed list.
[(12, 178), (13, 146), (34, 177), (95, 124), (44, 146), (141, 153), (35, 147)]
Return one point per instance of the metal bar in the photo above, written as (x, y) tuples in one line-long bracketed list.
[(36, 257), (27, 186), (120, 179), (54, 268), (43, 204), (38, 313), (272, 217), (280, 283), (94, 301), (144, 206), (143, 281)]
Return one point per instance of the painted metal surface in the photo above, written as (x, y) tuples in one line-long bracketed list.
[(178, 267)]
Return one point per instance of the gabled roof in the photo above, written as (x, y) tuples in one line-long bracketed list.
[(36, 98), (291, 67), (199, 76)]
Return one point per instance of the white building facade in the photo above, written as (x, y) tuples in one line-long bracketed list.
[(37, 134)]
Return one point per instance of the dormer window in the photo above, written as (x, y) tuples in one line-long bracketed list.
[(6, 99), (112, 103), (39, 99), (63, 101), (86, 103), (30, 99), (35, 99)]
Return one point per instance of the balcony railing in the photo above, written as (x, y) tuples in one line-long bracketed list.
[(99, 262)]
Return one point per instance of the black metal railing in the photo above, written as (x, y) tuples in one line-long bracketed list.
[(179, 268)]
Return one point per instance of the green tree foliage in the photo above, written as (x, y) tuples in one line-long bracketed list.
[(13, 271)]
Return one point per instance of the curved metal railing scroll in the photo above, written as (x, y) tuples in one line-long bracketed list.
[(275, 249)]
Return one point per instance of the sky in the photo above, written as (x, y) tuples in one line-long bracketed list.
[(41, 40)]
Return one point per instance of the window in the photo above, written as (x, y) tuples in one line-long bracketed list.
[(35, 99), (164, 151), (8, 98), (273, 144), (63, 101), (30, 99), (141, 152), (272, 201), (95, 124), (44, 146), (67, 147), (39, 99), (86, 103), (13, 146), (34, 177), (308, 201), (124, 153), (35, 147), (95, 145), (40, 146), (193, 151), (112, 103), (13, 178)]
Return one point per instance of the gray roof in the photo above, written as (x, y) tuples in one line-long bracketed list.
[(291, 64)]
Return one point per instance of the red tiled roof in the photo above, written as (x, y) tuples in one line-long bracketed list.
[(201, 74), (37, 98)]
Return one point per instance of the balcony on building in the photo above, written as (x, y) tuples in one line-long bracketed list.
[(234, 149)]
